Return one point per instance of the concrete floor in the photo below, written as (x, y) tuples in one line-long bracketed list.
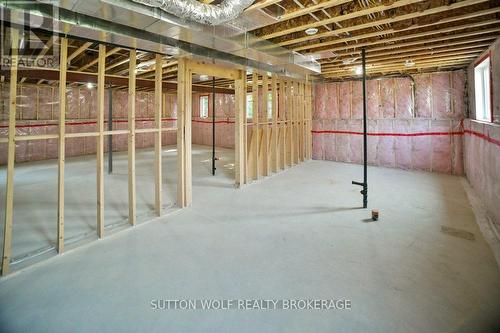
[(298, 234)]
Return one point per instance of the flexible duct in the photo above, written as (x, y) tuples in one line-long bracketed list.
[(193, 10)]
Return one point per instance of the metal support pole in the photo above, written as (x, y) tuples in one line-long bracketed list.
[(110, 128), (213, 126), (364, 192)]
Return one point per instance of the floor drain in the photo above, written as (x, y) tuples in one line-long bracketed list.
[(458, 233)]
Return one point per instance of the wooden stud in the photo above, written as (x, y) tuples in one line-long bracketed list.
[(100, 139), (301, 122), (274, 132), (265, 120), (11, 155), (158, 158), (293, 122), (309, 120), (181, 133), (282, 118), (131, 139), (184, 100), (239, 129), (255, 126), (288, 123), (188, 118), (61, 161)]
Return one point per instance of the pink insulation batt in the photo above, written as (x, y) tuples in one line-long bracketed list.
[(413, 122), (37, 114), (482, 163)]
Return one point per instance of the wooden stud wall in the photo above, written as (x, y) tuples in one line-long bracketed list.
[(273, 140), (11, 155), (284, 139), (62, 136)]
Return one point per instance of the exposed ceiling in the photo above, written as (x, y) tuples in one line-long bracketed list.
[(404, 36)]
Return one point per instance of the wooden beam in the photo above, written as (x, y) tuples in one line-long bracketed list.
[(61, 161), (11, 154), (395, 39), (100, 139), (47, 47), (131, 139), (380, 33), (78, 51), (399, 69), (207, 68), (417, 61), (115, 80), (158, 160), (93, 62), (412, 54), (401, 60), (390, 20), (357, 13), (118, 63)]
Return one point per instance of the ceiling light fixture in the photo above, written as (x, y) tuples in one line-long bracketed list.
[(90, 85), (358, 70), (311, 31), (409, 63)]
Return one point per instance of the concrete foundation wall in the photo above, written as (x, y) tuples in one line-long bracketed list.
[(413, 122)]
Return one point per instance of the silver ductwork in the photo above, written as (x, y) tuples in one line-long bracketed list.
[(132, 25), (192, 10)]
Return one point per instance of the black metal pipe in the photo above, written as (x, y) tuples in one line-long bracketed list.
[(110, 128), (364, 192), (213, 126)]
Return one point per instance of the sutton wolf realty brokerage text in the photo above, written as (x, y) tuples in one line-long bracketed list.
[(250, 304)]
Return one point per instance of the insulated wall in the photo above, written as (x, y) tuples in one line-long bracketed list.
[(37, 114), (413, 122), (224, 121), (482, 141)]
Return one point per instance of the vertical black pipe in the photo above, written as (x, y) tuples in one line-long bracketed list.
[(364, 192), (213, 125), (365, 140), (110, 128)]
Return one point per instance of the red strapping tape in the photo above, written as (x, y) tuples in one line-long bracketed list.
[(465, 131)]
